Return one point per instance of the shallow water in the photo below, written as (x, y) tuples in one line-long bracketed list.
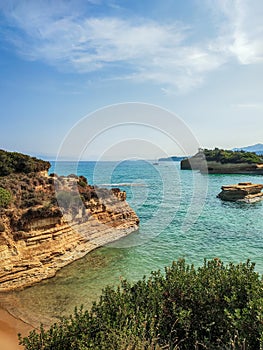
[(180, 217)]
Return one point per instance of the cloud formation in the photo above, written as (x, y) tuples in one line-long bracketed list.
[(242, 29), (72, 36)]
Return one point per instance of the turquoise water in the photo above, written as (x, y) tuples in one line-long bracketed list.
[(180, 217)]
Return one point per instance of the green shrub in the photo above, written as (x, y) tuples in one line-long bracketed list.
[(5, 197), (82, 184), (211, 307)]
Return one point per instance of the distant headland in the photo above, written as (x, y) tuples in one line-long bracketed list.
[(172, 159), (220, 161), (257, 148)]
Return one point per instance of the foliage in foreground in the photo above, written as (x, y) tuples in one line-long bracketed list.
[(211, 307)]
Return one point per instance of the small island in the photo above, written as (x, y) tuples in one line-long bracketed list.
[(219, 161), (48, 221)]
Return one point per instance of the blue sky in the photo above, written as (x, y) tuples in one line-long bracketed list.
[(62, 60)]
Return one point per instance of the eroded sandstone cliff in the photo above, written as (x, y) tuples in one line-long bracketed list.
[(52, 221)]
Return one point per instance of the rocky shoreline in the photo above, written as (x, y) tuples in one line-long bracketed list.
[(52, 221)]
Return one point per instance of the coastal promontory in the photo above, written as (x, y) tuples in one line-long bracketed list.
[(219, 161), (48, 221)]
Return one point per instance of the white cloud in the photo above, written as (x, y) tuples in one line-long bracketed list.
[(241, 29), (150, 51)]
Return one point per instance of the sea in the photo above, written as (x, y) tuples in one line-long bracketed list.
[(180, 217)]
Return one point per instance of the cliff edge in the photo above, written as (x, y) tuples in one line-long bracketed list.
[(46, 222)]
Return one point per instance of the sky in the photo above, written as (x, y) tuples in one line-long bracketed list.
[(66, 62)]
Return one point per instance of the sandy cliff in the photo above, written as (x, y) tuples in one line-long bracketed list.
[(52, 221)]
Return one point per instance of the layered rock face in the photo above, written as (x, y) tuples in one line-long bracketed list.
[(231, 168), (53, 221), (244, 192)]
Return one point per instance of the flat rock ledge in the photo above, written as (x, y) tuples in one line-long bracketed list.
[(242, 192), (40, 255)]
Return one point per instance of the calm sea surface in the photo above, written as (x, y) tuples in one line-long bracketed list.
[(180, 216)]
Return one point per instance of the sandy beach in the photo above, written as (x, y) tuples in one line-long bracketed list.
[(9, 328)]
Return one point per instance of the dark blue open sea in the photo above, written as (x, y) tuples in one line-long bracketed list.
[(180, 217)]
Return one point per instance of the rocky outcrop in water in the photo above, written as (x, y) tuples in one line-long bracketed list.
[(220, 161), (54, 220), (242, 192)]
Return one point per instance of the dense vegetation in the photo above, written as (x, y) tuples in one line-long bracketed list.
[(28, 189), (211, 307), (227, 156), (13, 162), (24, 197)]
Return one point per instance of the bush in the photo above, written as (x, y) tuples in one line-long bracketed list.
[(82, 184), (212, 307), (5, 197)]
